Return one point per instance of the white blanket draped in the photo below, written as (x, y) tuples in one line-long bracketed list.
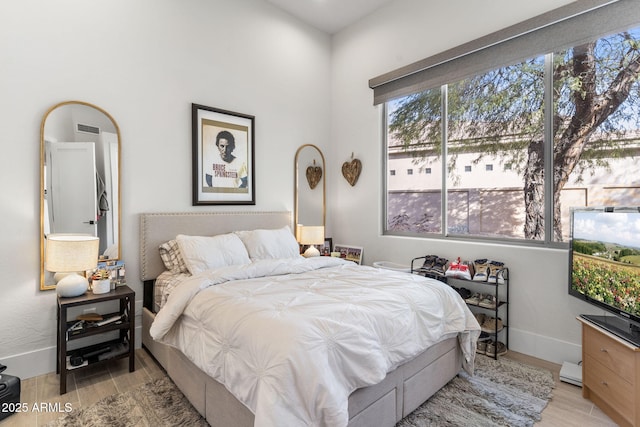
[(292, 339)]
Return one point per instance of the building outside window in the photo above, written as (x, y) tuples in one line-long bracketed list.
[(592, 133)]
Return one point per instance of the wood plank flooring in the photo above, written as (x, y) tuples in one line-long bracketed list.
[(566, 409)]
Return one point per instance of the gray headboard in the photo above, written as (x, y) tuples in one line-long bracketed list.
[(157, 228)]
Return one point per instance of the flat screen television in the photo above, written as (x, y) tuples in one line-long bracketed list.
[(604, 266)]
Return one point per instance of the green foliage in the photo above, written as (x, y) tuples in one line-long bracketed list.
[(588, 248)]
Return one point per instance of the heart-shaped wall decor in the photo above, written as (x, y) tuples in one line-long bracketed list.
[(314, 174), (351, 171)]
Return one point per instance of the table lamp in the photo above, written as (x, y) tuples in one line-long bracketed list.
[(311, 235), (70, 254)]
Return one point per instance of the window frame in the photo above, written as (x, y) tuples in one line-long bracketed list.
[(444, 233), (567, 26)]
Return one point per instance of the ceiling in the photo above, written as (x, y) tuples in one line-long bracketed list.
[(329, 16)]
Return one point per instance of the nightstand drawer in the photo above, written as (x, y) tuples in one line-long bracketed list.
[(607, 384), (609, 352)]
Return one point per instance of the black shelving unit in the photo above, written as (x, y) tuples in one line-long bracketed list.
[(119, 348), (499, 290)]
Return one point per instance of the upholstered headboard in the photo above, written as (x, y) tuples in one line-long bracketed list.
[(157, 228)]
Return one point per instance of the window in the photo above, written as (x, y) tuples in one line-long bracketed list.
[(591, 131), (409, 171), (427, 170), (415, 207), (491, 116), (600, 120)]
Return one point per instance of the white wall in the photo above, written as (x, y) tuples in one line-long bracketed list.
[(542, 314), (144, 62)]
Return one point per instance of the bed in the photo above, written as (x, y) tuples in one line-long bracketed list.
[(373, 389)]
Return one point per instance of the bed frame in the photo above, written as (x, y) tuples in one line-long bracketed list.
[(382, 404)]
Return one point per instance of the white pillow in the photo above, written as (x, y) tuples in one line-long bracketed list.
[(270, 244), (202, 253)]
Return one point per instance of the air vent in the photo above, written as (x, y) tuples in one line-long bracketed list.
[(87, 129)]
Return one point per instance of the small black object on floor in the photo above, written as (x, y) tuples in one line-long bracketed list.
[(9, 393)]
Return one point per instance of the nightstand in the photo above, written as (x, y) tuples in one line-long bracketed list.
[(81, 358)]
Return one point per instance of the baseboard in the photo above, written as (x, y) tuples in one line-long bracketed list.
[(543, 347), (31, 364), (42, 361)]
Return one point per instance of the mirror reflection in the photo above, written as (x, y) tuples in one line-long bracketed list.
[(80, 177), (310, 174)]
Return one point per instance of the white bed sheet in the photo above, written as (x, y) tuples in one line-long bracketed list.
[(292, 339)]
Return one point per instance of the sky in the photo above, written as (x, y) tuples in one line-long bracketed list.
[(613, 227)]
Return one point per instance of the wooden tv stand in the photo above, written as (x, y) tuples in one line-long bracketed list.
[(611, 374)]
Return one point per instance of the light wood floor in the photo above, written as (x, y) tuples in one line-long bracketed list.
[(566, 409), (83, 388)]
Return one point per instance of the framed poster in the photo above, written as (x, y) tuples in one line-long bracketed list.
[(223, 157), (348, 252)]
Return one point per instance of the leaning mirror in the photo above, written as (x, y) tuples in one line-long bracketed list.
[(309, 206), (79, 178)]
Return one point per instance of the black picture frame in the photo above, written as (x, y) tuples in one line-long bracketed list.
[(327, 247), (222, 175)]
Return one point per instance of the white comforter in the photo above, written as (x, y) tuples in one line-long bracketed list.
[(292, 339)]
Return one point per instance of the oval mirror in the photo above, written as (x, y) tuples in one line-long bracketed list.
[(79, 178), (309, 206)]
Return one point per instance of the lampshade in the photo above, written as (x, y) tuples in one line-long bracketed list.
[(311, 235), (71, 253)]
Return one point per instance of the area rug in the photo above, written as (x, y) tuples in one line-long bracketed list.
[(154, 404), (502, 392)]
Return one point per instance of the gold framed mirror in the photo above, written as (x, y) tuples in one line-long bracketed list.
[(310, 188), (79, 178)]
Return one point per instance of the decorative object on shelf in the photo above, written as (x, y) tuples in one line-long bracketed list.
[(350, 253), (314, 174), (115, 271), (311, 235), (223, 157), (327, 247), (67, 255), (351, 170), (100, 282)]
